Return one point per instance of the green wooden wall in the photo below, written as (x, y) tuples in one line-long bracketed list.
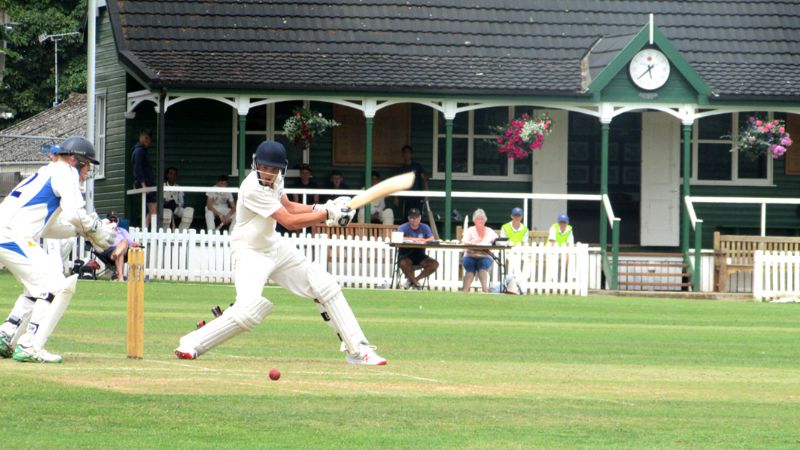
[(746, 219), (198, 141), (110, 80)]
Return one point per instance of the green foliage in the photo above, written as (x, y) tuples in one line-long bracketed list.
[(28, 82), (465, 371)]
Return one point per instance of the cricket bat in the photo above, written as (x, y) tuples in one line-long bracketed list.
[(431, 220), (382, 189)]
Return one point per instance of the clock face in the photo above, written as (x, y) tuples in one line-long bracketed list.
[(649, 69)]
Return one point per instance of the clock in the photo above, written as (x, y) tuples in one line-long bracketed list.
[(649, 69)]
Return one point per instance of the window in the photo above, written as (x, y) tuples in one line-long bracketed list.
[(715, 157), (100, 134), (266, 122), (475, 156)]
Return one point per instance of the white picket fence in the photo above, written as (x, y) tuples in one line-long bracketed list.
[(776, 274), (363, 263)]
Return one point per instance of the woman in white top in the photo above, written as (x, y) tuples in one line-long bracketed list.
[(477, 261)]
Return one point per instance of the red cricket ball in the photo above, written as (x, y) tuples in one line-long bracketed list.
[(274, 374)]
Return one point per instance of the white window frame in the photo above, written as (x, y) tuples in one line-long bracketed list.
[(471, 137), (269, 133), (735, 180), (101, 106)]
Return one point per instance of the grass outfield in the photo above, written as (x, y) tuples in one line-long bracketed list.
[(465, 371)]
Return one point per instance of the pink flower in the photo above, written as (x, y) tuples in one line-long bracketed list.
[(758, 123), (786, 141), (768, 126), (782, 130)]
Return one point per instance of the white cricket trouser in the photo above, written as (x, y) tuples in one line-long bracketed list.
[(211, 225), (32, 266), (283, 263), (387, 216)]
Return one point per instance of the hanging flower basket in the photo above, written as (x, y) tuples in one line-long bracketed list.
[(759, 137), (305, 125), (522, 136)]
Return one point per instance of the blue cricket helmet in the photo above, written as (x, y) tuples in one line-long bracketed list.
[(271, 154), (76, 145)]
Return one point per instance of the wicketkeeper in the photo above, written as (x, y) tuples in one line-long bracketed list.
[(47, 204), (259, 254)]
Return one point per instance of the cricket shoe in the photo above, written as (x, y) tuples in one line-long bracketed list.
[(5, 346), (367, 357), (183, 353), (29, 354)]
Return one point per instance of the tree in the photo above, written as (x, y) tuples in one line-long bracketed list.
[(28, 82)]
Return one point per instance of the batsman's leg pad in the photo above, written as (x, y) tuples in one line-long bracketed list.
[(334, 308), (187, 215), (20, 313), (52, 313), (166, 219), (340, 317), (18, 319), (243, 316)]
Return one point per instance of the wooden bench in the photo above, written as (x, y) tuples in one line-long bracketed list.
[(371, 230), (736, 254)]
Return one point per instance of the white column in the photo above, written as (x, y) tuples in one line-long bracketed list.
[(550, 171)]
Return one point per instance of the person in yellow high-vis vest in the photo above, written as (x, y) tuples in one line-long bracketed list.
[(515, 231), (561, 232)]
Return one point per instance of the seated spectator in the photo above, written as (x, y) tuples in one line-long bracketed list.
[(515, 231), (415, 231), (174, 210), (477, 261), (306, 182), (379, 212), (115, 256), (220, 207), (561, 232), (336, 182)]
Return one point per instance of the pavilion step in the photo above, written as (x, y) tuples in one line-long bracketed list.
[(651, 264), (652, 284), (653, 274)]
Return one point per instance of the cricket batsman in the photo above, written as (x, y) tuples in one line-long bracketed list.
[(48, 204), (259, 254)]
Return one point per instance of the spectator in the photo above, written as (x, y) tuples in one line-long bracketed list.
[(415, 231), (420, 181), (220, 207), (115, 256), (143, 171), (173, 204), (306, 182), (336, 182), (379, 212), (477, 261), (515, 231), (561, 232)]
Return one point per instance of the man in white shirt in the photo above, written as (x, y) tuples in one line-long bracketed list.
[(259, 253), (220, 207), (174, 211), (48, 204)]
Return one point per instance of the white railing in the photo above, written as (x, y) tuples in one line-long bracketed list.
[(525, 198), (362, 263), (763, 201), (776, 274)]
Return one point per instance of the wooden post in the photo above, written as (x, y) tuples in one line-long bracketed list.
[(135, 339)]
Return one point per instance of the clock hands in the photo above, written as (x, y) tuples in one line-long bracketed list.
[(649, 70)]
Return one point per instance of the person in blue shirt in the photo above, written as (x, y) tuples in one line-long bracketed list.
[(143, 171), (415, 231)]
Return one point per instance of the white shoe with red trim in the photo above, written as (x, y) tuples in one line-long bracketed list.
[(183, 353), (367, 357)]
